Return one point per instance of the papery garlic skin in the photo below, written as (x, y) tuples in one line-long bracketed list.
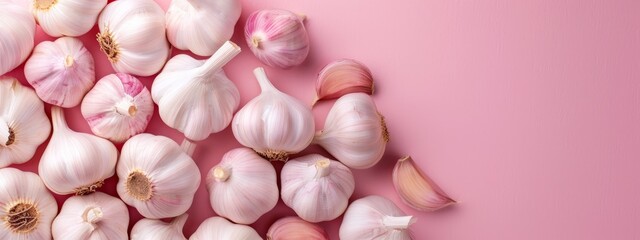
[(17, 34), (416, 189), (243, 186), (342, 77), (61, 72), (66, 17), (316, 188), (96, 216), (277, 37), (117, 107), (294, 228), (27, 207), (274, 124), (220, 228), (375, 217), (151, 229), (23, 122)]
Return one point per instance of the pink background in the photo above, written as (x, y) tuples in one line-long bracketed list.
[(528, 112)]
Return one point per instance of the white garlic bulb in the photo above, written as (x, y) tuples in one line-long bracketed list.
[(294, 228), (132, 35), (27, 207), (152, 229), (156, 176), (23, 123), (196, 97), (220, 228), (17, 34), (66, 17), (201, 26), (243, 186), (117, 107), (316, 188), (354, 132), (95, 216), (75, 162), (61, 72), (274, 124), (375, 217)]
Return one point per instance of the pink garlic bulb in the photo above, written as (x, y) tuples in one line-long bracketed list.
[(294, 228)]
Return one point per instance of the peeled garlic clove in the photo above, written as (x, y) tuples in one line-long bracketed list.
[(156, 176), (416, 188), (375, 217), (196, 97), (17, 33), (201, 26), (151, 229), (66, 17), (23, 123), (61, 72), (95, 216), (277, 37), (316, 188), (132, 35), (342, 77), (354, 132), (243, 186), (274, 124), (75, 162), (294, 228), (220, 228)]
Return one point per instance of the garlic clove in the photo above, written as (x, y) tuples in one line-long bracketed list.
[(66, 17), (95, 216), (375, 217), (220, 228), (151, 229), (416, 188), (17, 34), (294, 228), (342, 77)]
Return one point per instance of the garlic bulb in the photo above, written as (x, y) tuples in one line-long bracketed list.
[(117, 107), (61, 72), (316, 188), (354, 132), (220, 228), (132, 35), (23, 123), (342, 77), (274, 124), (151, 229), (156, 176), (294, 228), (95, 216), (27, 207), (196, 97), (416, 188), (375, 217), (201, 26), (17, 33), (243, 186), (66, 17), (277, 37), (75, 162)]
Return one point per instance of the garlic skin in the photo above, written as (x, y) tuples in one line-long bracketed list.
[(277, 37), (66, 17), (316, 188), (416, 189), (17, 34), (354, 132), (61, 72), (132, 35), (117, 107), (196, 97), (95, 216), (294, 228), (243, 186), (201, 26), (151, 229), (75, 162), (156, 176), (27, 207), (23, 122), (220, 228), (274, 124), (342, 77), (375, 217)]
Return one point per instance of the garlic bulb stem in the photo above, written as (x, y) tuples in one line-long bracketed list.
[(398, 222), (57, 117), (322, 167), (188, 147), (221, 174), (68, 61), (6, 134), (221, 57), (265, 84), (126, 108), (93, 215)]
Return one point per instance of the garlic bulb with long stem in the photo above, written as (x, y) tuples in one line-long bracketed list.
[(66, 17), (153, 229), (416, 189), (75, 162), (61, 72), (220, 228), (342, 77), (274, 124), (316, 188), (375, 217), (294, 228), (17, 35), (95, 216)]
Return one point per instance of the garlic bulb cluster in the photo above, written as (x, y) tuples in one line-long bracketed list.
[(342, 77), (274, 124), (156, 176), (17, 34), (75, 162), (294, 228), (152, 229), (277, 37), (201, 26), (117, 107), (132, 35), (354, 132), (375, 217), (23, 123), (66, 17), (416, 189), (220, 228), (95, 216), (196, 97), (243, 186), (316, 188), (27, 207), (61, 72)]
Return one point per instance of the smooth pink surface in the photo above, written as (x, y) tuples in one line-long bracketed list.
[(528, 112)]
